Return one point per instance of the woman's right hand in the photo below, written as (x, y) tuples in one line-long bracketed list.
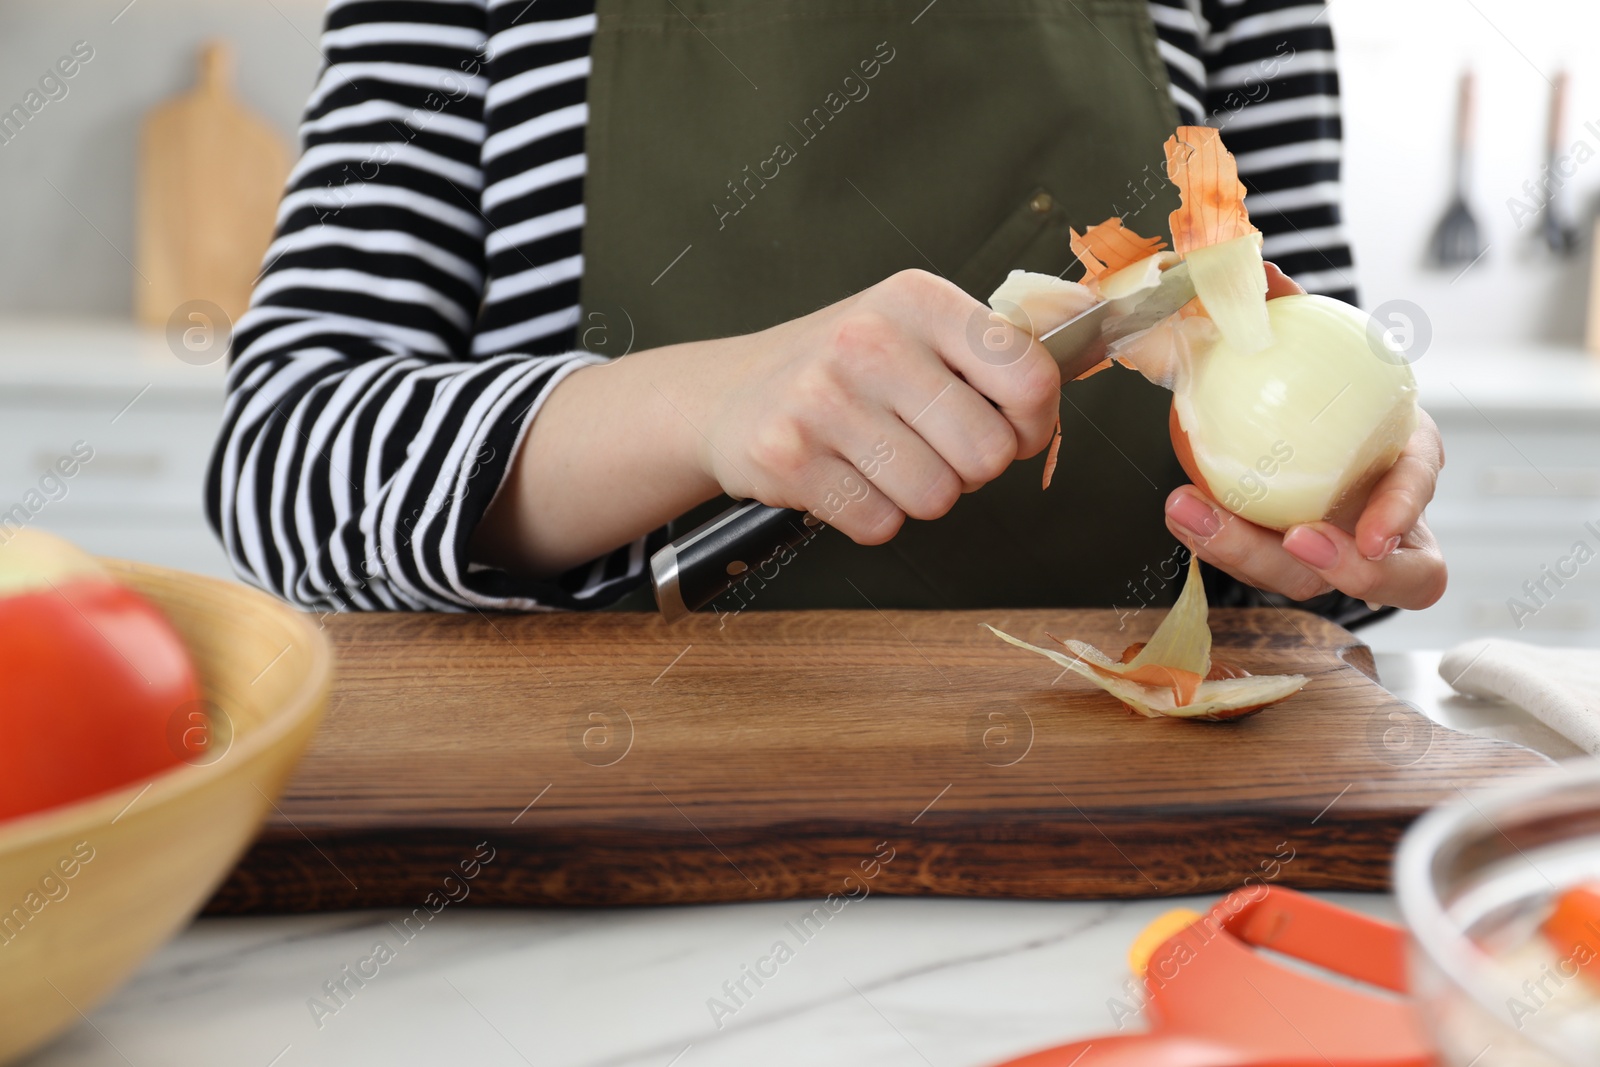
[(888, 404)]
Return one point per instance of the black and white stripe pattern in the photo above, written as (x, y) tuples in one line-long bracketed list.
[(1263, 72), (421, 296)]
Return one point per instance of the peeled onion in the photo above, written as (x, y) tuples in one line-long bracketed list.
[(1284, 411), (1300, 430)]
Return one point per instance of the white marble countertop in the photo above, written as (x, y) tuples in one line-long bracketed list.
[(943, 983)]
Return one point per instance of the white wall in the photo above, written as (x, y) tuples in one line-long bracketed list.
[(1400, 61), (52, 260)]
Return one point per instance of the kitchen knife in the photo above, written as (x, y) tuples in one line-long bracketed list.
[(751, 539)]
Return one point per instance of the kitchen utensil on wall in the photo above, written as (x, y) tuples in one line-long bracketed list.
[(1555, 224), (1592, 334), (1458, 240), (210, 175)]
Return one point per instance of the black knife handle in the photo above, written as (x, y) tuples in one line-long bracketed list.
[(726, 553)]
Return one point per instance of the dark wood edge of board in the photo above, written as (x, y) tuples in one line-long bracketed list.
[(1054, 859)]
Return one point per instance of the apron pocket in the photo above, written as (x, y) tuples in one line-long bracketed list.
[(1034, 236)]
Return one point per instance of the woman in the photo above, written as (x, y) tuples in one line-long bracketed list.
[(488, 188)]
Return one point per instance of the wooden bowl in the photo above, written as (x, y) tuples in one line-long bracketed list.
[(90, 889)]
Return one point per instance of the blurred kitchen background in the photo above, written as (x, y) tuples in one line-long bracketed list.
[(1499, 345)]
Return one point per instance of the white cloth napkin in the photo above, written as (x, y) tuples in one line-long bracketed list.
[(1558, 686)]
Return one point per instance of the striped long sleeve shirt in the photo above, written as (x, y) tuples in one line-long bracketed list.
[(420, 298)]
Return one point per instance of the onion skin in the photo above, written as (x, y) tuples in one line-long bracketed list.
[(1173, 675), (1218, 672), (1219, 669), (1300, 431)]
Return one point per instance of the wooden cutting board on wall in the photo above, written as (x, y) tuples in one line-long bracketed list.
[(210, 176), (611, 758)]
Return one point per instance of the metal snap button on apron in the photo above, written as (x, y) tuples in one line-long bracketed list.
[(1041, 203)]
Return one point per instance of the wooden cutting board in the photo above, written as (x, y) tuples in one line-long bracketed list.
[(611, 758), (210, 175)]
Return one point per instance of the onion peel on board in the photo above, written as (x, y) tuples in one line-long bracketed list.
[(1173, 674), (1252, 379)]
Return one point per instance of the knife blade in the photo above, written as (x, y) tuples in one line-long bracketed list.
[(721, 558), (1082, 341)]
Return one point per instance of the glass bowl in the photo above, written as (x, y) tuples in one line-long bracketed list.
[(1475, 879)]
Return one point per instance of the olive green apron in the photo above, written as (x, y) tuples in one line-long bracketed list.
[(750, 162)]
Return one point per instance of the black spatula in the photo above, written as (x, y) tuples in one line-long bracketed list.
[(1458, 240)]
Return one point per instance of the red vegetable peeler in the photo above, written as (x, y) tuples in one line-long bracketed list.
[(1214, 1001)]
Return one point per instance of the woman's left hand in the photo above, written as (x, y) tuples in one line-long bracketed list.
[(1391, 558)]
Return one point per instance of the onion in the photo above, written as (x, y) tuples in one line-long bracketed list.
[(1135, 278), (1284, 411), (1299, 430), (1231, 282), (1026, 300), (1173, 675)]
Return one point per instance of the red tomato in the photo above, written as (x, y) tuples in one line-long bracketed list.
[(95, 678)]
